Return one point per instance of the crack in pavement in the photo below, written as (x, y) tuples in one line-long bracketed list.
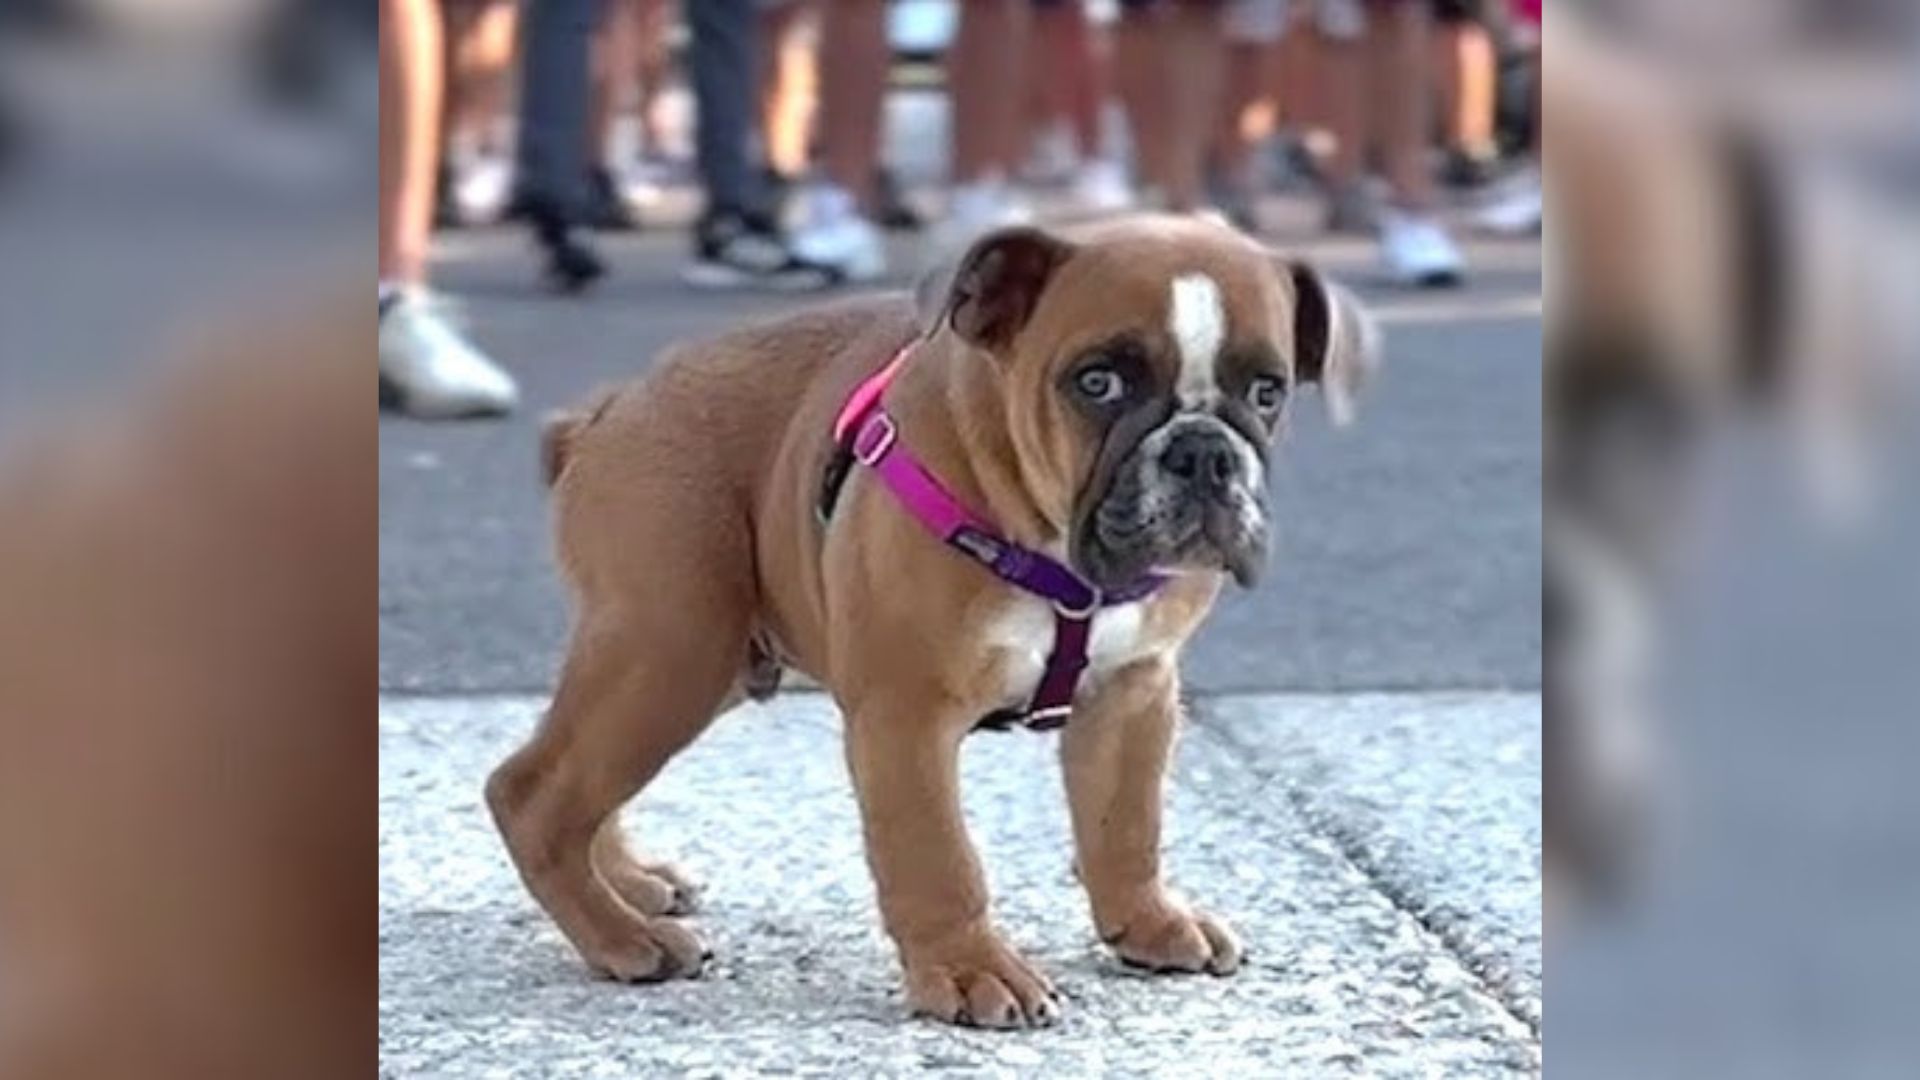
[(1354, 852)]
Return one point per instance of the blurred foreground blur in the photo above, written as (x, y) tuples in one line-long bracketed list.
[(187, 548), (1732, 606)]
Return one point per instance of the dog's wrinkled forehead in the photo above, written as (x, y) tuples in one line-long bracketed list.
[(1200, 313), (1206, 316)]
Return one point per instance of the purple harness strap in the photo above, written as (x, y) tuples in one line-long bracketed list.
[(869, 433)]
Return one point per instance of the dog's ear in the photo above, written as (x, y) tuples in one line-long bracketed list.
[(990, 292), (1335, 342)]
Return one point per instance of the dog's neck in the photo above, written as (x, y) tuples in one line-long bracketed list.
[(956, 416)]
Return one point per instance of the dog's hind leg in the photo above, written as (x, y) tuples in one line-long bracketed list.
[(643, 677)]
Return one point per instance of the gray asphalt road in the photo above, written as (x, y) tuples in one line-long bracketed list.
[(1358, 789)]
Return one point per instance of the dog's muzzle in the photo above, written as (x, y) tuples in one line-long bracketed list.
[(1190, 496)]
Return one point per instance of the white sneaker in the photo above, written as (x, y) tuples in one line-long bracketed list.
[(834, 234), (1101, 187), (481, 187), (644, 183), (1516, 208), (974, 210), (1051, 159), (430, 371), (1417, 250)]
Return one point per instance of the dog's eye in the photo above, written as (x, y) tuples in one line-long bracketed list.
[(1266, 393), (1100, 384)]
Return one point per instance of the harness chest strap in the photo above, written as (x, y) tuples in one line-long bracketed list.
[(865, 432)]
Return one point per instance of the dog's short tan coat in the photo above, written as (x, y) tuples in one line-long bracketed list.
[(688, 529)]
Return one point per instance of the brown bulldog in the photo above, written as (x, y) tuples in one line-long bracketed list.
[(1095, 405)]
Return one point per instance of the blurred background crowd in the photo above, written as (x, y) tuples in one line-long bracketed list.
[(571, 116)]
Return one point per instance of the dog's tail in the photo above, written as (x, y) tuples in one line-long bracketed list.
[(561, 433)]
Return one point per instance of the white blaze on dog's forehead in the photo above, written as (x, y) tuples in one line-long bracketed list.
[(1197, 320)]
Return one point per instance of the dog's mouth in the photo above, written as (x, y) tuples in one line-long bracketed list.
[(1150, 521)]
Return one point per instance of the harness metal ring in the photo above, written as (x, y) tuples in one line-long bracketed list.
[(888, 432)]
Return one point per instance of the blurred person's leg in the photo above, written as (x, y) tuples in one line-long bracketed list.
[(986, 68), (616, 61), (854, 56), (478, 167), (425, 367), (643, 178), (853, 189), (853, 86), (1078, 51), (1294, 90), (555, 94), (1467, 79), (985, 75), (1414, 246), (616, 66), (1340, 83), (1248, 113), (1518, 204), (736, 242), (787, 83), (1137, 44), (410, 82), (1045, 137), (1067, 61), (654, 18), (1298, 111), (1195, 62), (722, 59), (1168, 61)]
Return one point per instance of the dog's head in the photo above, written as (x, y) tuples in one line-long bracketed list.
[(1146, 365)]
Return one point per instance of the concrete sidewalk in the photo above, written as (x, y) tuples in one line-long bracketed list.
[(1378, 853)]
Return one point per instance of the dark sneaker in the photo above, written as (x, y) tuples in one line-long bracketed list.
[(776, 189), (572, 265), (1469, 169), (607, 208), (891, 209), (732, 250), (1352, 210)]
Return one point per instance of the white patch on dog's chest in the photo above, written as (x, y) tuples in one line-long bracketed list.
[(1023, 636)]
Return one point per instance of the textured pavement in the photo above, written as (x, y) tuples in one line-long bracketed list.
[(1383, 880)]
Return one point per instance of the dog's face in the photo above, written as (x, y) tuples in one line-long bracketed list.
[(1147, 364)]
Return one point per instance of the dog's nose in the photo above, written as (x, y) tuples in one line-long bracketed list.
[(1203, 458)]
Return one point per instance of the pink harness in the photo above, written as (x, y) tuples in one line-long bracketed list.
[(866, 432)]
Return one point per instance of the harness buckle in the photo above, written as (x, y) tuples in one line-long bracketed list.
[(1050, 718), (876, 436), (1093, 604)]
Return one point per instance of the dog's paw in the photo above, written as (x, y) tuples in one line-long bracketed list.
[(980, 981), (652, 888), (652, 950), (1167, 937)]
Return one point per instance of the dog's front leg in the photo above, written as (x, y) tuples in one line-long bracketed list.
[(1114, 753), (933, 896)]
